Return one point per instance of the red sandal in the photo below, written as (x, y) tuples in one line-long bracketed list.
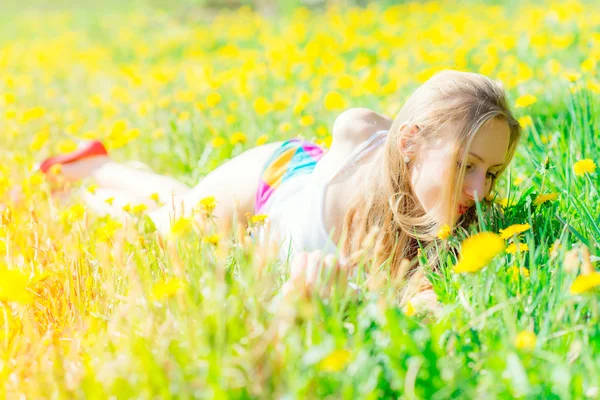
[(88, 149)]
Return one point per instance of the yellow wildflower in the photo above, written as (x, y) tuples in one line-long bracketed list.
[(334, 101), (258, 218), (525, 340), (517, 248), (307, 120), (513, 230), (33, 114), (526, 121), (212, 239), (262, 139), (165, 289), (109, 200), (154, 196), (184, 116), (92, 188), (444, 232), (409, 309), (542, 198), (140, 208), (238, 137), (181, 227), (208, 203), (13, 286), (217, 142), (335, 361), (571, 76), (285, 127), (584, 166), (478, 250), (525, 101), (515, 271), (261, 106), (6, 216), (585, 282), (212, 99)]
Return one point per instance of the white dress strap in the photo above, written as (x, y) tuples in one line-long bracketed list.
[(360, 152)]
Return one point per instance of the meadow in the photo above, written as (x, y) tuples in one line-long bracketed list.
[(91, 307)]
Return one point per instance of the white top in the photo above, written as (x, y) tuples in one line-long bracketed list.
[(295, 210)]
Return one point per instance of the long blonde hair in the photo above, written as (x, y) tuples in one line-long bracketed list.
[(386, 222)]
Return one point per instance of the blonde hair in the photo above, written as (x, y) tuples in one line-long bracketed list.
[(386, 221)]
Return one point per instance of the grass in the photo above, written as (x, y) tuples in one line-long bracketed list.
[(94, 309)]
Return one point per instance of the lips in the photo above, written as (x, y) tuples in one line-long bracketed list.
[(462, 209)]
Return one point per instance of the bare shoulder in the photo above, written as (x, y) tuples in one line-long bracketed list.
[(356, 125)]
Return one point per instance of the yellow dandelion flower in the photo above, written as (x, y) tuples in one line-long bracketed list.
[(181, 227), (33, 114), (6, 216), (571, 76), (109, 200), (212, 239), (525, 340), (584, 166), (13, 286), (513, 230), (526, 121), (66, 146), (334, 101), (307, 120), (585, 282), (262, 139), (335, 361), (525, 101), (517, 248), (139, 208), (212, 99), (444, 232), (208, 203), (542, 198), (9, 98), (92, 188), (478, 250), (238, 137), (165, 289), (409, 309), (518, 180), (184, 116), (261, 106), (515, 271), (258, 218), (285, 127), (126, 207), (217, 142), (155, 197)]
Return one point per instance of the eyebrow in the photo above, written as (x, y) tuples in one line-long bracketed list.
[(483, 161)]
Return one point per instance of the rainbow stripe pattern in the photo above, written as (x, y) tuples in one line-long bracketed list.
[(294, 157)]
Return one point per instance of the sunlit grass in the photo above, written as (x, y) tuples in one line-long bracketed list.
[(92, 307)]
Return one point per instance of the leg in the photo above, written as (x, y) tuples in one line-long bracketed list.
[(112, 175), (233, 184)]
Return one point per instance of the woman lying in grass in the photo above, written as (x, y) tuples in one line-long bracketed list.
[(390, 184)]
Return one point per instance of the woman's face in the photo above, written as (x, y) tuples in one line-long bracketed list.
[(485, 159)]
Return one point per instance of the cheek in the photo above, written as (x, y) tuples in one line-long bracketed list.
[(428, 186)]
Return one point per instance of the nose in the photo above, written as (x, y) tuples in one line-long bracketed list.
[(475, 187)]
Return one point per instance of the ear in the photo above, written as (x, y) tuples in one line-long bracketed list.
[(406, 139)]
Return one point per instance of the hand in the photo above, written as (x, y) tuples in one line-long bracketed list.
[(315, 272), (424, 302)]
